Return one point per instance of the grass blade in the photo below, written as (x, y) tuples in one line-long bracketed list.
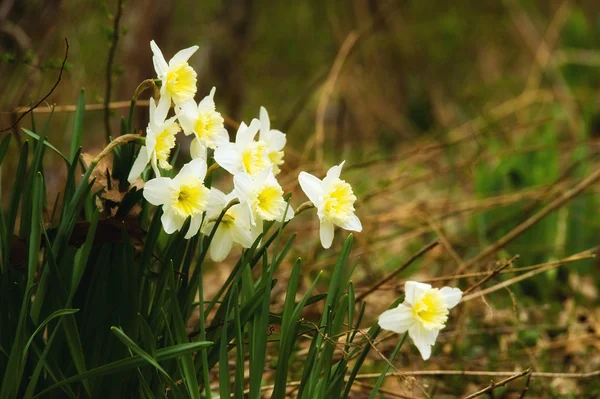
[(130, 363)]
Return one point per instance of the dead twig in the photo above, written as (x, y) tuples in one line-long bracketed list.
[(526, 387), (483, 373), (493, 385), (492, 274), (393, 274), (328, 91), (109, 68), (521, 277), (62, 68), (520, 229)]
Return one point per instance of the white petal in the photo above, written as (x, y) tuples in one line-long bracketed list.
[(221, 137), (208, 100), (266, 176), (244, 185), (158, 191), (187, 114), (242, 235), (183, 55), (274, 139), (312, 187), (154, 164), (326, 234), (335, 171), (229, 158), (160, 64), (220, 246), (265, 123), (413, 291), (289, 213), (397, 320), (423, 339), (139, 165), (195, 168), (162, 109), (217, 200), (245, 135), (352, 224), (452, 296), (198, 150), (194, 226), (231, 196), (171, 221)]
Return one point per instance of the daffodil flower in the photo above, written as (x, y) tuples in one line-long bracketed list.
[(204, 122), (423, 314), (234, 227), (334, 200), (263, 196), (160, 140), (245, 155), (274, 139), (177, 76), (181, 197)]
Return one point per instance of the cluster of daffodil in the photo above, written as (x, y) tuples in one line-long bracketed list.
[(254, 163), (253, 159)]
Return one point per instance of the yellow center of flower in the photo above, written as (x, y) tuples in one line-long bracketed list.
[(256, 157), (276, 158), (207, 126), (181, 82), (431, 310), (165, 142), (338, 202), (191, 199), (269, 203)]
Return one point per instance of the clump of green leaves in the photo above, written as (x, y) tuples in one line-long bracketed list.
[(98, 303)]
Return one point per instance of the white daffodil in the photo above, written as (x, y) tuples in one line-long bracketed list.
[(334, 200), (181, 197), (177, 76), (423, 314), (204, 122), (263, 196), (245, 155), (160, 140), (234, 227), (274, 139)]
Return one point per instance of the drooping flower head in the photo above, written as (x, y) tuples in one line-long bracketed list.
[(177, 76), (263, 196), (423, 314), (334, 200), (160, 140), (182, 197), (234, 227), (245, 154), (274, 139), (204, 122)]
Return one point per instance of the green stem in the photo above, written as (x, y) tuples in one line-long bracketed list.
[(387, 367)]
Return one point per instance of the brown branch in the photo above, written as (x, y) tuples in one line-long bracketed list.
[(484, 373), (62, 68), (492, 274), (520, 229), (526, 387), (495, 385), (109, 68), (393, 274), (112, 105), (521, 277)]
